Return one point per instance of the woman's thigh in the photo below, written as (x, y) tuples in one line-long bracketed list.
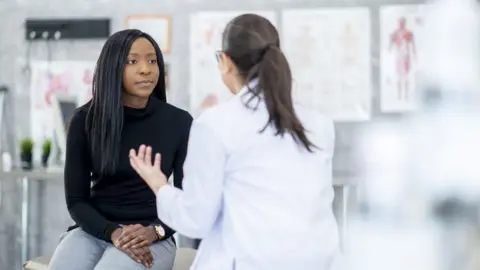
[(163, 256), (77, 251)]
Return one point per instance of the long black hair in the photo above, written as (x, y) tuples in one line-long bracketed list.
[(104, 123), (253, 44)]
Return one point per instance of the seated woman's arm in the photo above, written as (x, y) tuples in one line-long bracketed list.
[(181, 153), (77, 182), (178, 163)]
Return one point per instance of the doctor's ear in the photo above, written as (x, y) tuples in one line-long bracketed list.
[(226, 64)]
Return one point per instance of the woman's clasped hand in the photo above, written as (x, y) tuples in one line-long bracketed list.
[(134, 240)]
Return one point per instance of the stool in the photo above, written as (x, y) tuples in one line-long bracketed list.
[(39, 263), (183, 260)]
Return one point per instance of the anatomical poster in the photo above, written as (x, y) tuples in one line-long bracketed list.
[(330, 57), (400, 56), (206, 86)]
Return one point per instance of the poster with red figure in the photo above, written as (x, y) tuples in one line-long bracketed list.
[(400, 56)]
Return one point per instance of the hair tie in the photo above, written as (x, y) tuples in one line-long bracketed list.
[(271, 45), (266, 49)]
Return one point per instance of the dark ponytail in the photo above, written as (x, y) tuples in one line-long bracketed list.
[(267, 64), (275, 82)]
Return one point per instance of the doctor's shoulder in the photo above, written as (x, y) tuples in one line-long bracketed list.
[(220, 121), (217, 115)]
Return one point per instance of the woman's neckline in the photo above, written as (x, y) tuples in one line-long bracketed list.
[(138, 113)]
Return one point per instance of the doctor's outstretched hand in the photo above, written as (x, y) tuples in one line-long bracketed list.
[(152, 174)]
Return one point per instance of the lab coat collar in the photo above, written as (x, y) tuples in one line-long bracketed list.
[(246, 96), (244, 89)]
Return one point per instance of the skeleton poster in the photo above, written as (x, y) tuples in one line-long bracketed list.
[(329, 54)]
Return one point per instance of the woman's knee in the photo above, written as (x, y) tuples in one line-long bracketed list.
[(164, 254), (163, 258), (77, 251), (114, 258)]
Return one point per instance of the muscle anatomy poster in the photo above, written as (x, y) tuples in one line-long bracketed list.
[(400, 54), (206, 86), (329, 54)]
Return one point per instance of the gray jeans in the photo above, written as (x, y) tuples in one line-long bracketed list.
[(79, 250)]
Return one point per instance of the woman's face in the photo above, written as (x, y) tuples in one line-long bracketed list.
[(141, 72)]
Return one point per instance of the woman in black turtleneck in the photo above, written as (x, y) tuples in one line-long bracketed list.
[(105, 196)]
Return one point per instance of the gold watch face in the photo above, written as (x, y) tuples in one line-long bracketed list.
[(160, 231)]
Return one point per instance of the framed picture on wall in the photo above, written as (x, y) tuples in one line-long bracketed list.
[(157, 26)]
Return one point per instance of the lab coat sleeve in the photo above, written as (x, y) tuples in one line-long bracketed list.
[(193, 210)]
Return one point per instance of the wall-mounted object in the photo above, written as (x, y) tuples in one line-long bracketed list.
[(157, 26), (401, 30), (56, 29)]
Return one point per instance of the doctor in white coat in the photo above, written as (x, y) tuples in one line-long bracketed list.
[(258, 174)]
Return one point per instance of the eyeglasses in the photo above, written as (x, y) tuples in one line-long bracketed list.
[(218, 55)]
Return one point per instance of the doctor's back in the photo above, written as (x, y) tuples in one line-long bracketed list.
[(276, 207), (277, 198)]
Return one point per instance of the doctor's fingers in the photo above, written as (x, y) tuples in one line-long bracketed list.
[(134, 156), (133, 161), (138, 165), (141, 152), (158, 160), (148, 156)]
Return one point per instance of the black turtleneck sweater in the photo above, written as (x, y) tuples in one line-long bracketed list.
[(99, 204)]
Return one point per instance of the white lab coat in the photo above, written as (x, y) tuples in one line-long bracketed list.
[(259, 201)]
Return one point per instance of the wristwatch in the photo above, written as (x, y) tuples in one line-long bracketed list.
[(160, 231)]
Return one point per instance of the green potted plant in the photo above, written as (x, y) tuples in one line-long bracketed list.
[(46, 149), (26, 154)]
